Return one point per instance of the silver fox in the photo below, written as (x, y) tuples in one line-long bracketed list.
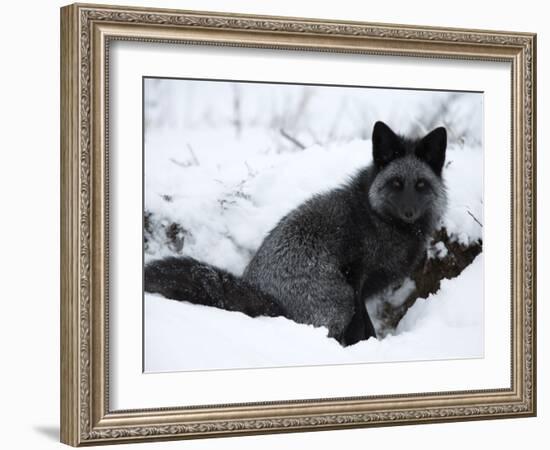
[(322, 261)]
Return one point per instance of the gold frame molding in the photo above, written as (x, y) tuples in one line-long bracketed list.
[(86, 31)]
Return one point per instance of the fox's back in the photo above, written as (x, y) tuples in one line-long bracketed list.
[(312, 237)]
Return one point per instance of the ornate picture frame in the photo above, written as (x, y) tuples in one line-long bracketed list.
[(87, 31)]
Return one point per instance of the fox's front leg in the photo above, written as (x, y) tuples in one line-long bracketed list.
[(360, 328)]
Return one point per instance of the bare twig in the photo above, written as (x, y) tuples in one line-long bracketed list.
[(292, 139), (195, 159), (180, 163), (474, 217)]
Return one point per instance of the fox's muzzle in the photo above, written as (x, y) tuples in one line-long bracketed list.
[(410, 215)]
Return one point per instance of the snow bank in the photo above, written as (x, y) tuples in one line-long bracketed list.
[(182, 336)]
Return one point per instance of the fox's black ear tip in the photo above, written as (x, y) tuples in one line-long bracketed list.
[(441, 131), (381, 129), (438, 136), (379, 125)]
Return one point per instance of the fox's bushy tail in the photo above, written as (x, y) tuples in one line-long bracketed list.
[(187, 279)]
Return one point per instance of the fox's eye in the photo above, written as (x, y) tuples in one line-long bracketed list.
[(396, 183), (421, 184)]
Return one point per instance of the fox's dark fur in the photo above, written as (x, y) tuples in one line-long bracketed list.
[(326, 257)]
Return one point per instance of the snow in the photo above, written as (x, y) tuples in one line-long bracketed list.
[(218, 165), (438, 250), (182, 336)]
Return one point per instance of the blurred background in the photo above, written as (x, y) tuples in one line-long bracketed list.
[(224, 161), (294, 116)]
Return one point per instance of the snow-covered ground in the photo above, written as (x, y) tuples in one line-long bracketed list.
[(225, 162), (182, 336)]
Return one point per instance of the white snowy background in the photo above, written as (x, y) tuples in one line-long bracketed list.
[(225, 161)]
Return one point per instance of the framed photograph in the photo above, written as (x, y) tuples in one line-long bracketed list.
[(276, 224)]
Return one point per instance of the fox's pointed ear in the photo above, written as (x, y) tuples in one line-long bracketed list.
[(431, 149), (386, 145)]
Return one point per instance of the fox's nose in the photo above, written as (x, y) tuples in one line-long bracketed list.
[(409, 214)]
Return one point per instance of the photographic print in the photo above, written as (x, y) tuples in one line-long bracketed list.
[(301, 209), (293, 225)]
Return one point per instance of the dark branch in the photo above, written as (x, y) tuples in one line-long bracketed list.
[(292, 139)]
